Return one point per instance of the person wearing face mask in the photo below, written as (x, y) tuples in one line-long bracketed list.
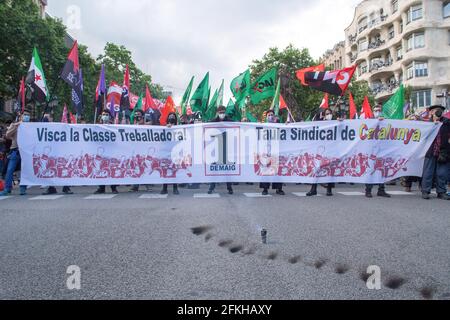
[(14, 155), (172, 120), (327, 116), (221, 117), (437, 159), (105, 119), (139, 120), (271, 118), (377, 112)]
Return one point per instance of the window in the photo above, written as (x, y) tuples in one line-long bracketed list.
[(363, 45), (446, 9), (401, 26), (421, 98), (416, 41), (391, 32), (414, 13), (394, 6), (399, 53), (421, 69), (362, 68), (410, 71)]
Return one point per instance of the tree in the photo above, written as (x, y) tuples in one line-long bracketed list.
[(301, 100), (115, 58)]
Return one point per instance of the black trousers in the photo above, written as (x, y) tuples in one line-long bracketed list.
[(275, 186), (212, 186), (381, 187)]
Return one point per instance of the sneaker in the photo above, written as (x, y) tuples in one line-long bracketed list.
[(230, 191), (99, 192), (23, 191), (164, 191), (311, 194), (443, 196), (281, 192), (176, 192), (329, 193), (5, 193), (426, 196), (210, 191), (115, 191), (265, 192), (369, 195), (49, 192), (68, 191)]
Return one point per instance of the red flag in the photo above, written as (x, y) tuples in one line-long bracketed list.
[(64, 115), (301, 73), (149, 102), (126, 78), (283, 104), (367, 110), (325, 102), (169, 107), (333, 82), (73, 119), (353, 112), (22, 95)]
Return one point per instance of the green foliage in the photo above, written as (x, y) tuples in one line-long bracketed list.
[(23, 28), (301, 100)]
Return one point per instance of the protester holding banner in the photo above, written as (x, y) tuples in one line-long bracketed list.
[(221, 117), (172, 120), (271, 118), (139, 120), (14, 155), (377, 111), (105, 120), (328, 115), (437, 160)]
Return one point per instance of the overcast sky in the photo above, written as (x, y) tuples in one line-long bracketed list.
[(175, 39)]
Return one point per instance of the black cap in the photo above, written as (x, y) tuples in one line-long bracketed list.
[(436, 107)]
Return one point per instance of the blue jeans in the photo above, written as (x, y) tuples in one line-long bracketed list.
[(431, 169), (13, 160)]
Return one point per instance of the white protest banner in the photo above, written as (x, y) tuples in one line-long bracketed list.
[(358, 151)]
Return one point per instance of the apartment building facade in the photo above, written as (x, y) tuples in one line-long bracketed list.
[(402, 41)]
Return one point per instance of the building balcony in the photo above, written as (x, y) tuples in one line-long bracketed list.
[(385, 89)]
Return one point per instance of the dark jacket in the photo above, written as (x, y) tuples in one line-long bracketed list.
[(227, 119), (444, 135)]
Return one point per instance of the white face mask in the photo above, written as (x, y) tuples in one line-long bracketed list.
[(376, 114), (222, 116), (105, 118), (329, 117)]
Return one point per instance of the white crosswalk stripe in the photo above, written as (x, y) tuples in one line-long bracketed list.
[(401, 193), (101, 197), (352, 193), (154, 196), (7, 197), (206, 196), (46, 198), (303, 194), (256, 195)]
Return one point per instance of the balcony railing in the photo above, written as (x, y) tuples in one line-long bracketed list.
[(376, 44), (385, 88), (353, 58), (380, 64)]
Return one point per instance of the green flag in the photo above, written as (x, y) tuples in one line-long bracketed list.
[(186, 97), (137, 107), (220, 95), (393, 108), (36, 79), (233, 111), (199, 100), (240, 86), (212, 109), (275, 106), (264, 87)]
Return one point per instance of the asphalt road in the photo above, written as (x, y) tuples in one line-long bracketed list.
[(133, 248)]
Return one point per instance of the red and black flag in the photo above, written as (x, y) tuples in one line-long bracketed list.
[(71, 74), (333, 82), (301, 73), (20, 104), (125, 97)]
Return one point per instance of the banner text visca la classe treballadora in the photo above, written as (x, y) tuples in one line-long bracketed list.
[(358, 151)]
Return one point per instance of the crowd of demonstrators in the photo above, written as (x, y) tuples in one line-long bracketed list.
[(436, 173)]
